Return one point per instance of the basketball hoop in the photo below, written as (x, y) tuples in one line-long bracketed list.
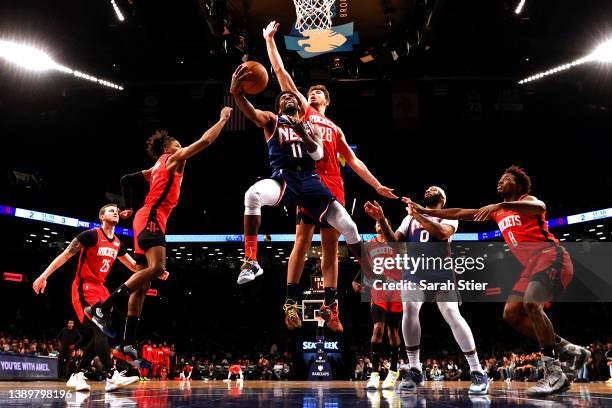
[(313, 14)]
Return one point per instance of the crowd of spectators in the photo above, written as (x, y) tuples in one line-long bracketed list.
[(275, 365), (204, 366), (502, 366)]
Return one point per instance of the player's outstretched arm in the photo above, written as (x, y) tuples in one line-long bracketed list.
[(40, 283), (435, 229), (284, 79), (446, 213), (361, 169), (262, 119), (203, 142)]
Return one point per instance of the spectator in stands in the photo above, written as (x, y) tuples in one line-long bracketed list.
[(69, 337)]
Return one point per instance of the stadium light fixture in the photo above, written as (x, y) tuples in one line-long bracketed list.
[(30, 58), (118, 12), (603, 53)]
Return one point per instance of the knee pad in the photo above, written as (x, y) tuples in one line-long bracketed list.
[(252, 201)]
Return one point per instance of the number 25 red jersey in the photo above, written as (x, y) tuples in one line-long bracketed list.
[(96, 261)]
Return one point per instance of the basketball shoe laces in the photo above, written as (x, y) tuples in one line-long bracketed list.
[(291, 309)]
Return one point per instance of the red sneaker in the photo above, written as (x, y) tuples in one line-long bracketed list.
[(331, 316)]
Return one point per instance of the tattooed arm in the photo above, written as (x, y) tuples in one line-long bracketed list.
[(41, 282)]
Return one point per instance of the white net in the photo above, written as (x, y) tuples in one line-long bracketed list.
[(313, 14)]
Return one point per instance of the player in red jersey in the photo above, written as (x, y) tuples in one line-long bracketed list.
[(547, 271), (150, 226), (334, 143), (147, 354), (386, 309), (98, 248), (167, 353)]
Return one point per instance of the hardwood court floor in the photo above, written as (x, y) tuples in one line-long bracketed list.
[(334, 394)]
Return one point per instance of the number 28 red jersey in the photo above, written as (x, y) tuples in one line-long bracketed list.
[(328, 167), (523, 232)]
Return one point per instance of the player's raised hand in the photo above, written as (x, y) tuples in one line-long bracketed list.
[(412, 207), (226, 112), (385, 191), (374, 210), (127, 213), (39, 285), (357, 287), (485, 212), (164, 276), (240, 75), (270, 30)]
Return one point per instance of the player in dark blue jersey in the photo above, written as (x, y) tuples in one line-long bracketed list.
[(434, 236), (294, 147)]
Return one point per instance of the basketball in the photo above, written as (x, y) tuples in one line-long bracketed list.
[(257, 80)]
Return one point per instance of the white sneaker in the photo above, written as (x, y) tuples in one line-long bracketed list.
[(118, 380), (249, 271), (78, 382), (390, 380), (480, 383), (373, 382), (554, 381)]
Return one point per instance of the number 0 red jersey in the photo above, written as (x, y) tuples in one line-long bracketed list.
[(523, 232)]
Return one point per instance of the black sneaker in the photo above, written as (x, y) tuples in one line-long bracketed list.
[(410, 381), (101, 319)]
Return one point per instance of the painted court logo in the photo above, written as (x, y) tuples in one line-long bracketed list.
[(313, 33)]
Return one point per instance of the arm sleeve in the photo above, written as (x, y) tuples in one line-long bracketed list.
[(122, 251), (127, 187), (88, 238)]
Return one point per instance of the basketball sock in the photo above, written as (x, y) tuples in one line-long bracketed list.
[(472, 359), (119, 293), (549, 351), (131, 328), (292, 291), (331, 294), (414, 355), (376, 350), (250, 247), (394, 357)]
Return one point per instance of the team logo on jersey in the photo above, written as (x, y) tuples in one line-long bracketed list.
[(513, 220), (312, 42)]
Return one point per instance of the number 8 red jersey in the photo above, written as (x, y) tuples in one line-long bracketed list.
[(523, 232)]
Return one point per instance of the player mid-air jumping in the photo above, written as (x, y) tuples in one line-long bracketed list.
[(547, 271), (334, 142), (294, 145), (164, 179)]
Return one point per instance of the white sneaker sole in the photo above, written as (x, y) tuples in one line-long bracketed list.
[(243, 279), (115, 387)]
